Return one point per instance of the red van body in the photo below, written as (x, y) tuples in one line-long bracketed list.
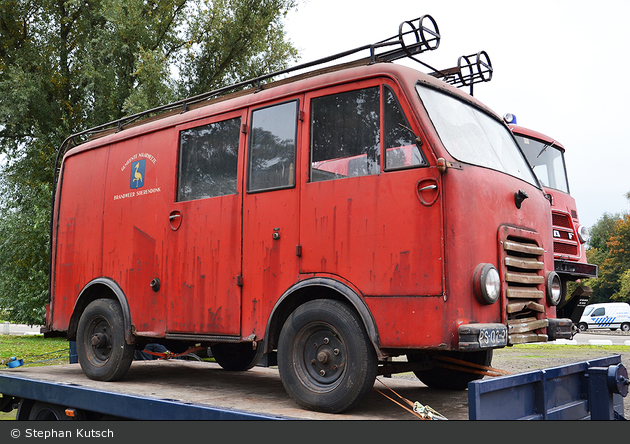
[(399, 236)]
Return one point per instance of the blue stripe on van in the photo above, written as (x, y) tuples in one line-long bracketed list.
[(605, 321)]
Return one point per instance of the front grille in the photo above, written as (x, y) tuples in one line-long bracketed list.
[(523, 274), (565, 241)]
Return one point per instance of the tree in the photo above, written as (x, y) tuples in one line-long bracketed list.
[(609, 248), (69, 65)]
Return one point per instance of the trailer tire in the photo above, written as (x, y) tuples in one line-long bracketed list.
[(43, 411), (450, 379), (325, 358), (103, 352), (237, 357)]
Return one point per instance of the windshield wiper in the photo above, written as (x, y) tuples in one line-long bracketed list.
[(547, 145)]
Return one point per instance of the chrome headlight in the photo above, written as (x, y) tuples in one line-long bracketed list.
[(583, 234), (554, 288), (487, 283)]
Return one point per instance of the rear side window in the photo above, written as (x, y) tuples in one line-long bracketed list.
[(272, 149), (208, 160)]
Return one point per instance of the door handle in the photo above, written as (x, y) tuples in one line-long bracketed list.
[(175, 219)]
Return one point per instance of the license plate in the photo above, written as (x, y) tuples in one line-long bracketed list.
[(493, 337)]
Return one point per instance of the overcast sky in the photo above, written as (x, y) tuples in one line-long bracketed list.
[(560, 66)]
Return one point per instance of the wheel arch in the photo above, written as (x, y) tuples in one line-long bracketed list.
[(100, 288), (318, 288)]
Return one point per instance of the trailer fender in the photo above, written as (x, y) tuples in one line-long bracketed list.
[(101, 288), (319, 288)]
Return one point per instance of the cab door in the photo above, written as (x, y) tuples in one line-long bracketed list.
[(371, 212), (205, 224)]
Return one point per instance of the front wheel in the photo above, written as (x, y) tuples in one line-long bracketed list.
[(325, 358), (103, 352), (582, 326)]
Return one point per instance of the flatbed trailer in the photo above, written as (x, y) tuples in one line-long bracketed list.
[(173, 389)]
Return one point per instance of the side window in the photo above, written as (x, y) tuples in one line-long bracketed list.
[(399, 141), (598, 312), (208, 160), (345, 134), (272, 147)]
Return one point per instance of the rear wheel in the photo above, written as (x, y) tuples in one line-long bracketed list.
[(42, 411), (103, 353), (237, 357), (325, 358), (625, 326), (446, 378)]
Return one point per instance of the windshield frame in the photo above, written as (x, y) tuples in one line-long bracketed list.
[(546, 148), (468, 126)]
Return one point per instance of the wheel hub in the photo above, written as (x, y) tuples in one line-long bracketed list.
[(325, 357), (99, 340)]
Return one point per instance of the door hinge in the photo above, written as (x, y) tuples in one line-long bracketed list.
[(298, 250), (244, 128), (239, 280)]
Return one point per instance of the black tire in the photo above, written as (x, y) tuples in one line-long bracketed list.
[(237, 357), (625, 327), (450, 379), (42, 411), (325, 358), (103, 353), (582, 326)]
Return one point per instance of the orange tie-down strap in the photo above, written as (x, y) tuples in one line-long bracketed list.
[(425, 412), (169, 355)]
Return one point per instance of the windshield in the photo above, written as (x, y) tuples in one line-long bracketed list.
[(547, 162), (471, 136)]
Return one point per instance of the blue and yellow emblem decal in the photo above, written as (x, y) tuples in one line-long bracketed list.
[(137, 174)]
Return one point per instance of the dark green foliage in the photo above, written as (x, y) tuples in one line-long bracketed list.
[(69, 65)]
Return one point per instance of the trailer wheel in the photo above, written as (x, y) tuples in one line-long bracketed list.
[(325, 358), (103, 353), (450, 379), (43, 411), (237, 357)]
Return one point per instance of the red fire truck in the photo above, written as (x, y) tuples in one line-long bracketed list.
[(327, 222), (546, 156)]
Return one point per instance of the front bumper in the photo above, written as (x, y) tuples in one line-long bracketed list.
[(575, 270), (482, 336), (485, 336)]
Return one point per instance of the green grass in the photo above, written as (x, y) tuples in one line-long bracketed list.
[(33, 351)]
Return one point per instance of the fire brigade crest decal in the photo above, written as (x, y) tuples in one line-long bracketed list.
[(137, 174), (136, 169)]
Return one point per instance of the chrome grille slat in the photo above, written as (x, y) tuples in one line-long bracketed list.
[(523, 274)]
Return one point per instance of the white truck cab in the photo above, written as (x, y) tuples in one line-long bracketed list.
[(612, 315)]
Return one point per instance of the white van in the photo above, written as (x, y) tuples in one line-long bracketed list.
[(611, 315)]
